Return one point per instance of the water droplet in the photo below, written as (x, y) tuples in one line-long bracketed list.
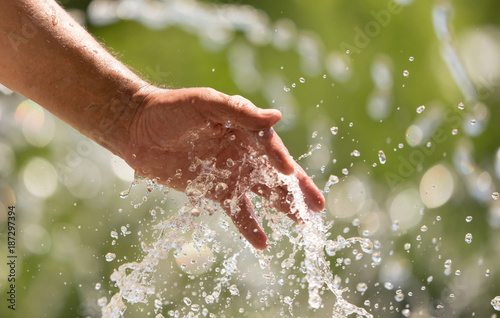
[(110, 257), (447, 263), (334, 130), (487, 273), (429, 279), (333, 179), (381, 157), (102, 301), (192, 167), (114, 234), (209, 299), (97, 286), (355, 153), (261, 133), (406, 73), (302, 80), (424, 228), (367, 247), (495, 195), (187, 301), (407, 246), (400, 145), (420, 109), (221, 186), (395, 226), (495, 302), (314, 134), (158, 303), (124, 194), (461, 106), (286, 89), (361, 287), (399, 295), (468, 238), (124, 230), (454, 132), (233, 289), (473, 122), (388, 286), (345, 171), (406, 312), (411, 58)]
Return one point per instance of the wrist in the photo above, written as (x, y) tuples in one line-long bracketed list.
[(116, 124)]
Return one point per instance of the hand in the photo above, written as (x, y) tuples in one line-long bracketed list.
[(174, 131)]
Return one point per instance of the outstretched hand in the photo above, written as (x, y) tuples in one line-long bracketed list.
[(168, 131), (174, 130)]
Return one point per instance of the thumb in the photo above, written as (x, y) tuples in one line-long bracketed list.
[(244, 113)]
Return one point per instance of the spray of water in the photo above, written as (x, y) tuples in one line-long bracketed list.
[(308, 239)]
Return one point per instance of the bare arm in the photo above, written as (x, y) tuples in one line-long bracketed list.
[(48, 57)]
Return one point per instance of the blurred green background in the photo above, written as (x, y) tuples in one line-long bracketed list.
[(442, 163)]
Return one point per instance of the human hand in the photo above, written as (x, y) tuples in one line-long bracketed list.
[(174, 130)]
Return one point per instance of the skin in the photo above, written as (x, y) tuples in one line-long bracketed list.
[(46, 56)]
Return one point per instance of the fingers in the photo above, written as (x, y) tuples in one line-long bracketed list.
[(276, 151), (248, 224), (245, 114), (238, 110), (279, 197), (312, 196)]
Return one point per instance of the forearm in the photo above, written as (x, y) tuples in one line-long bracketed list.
[(48, 57)]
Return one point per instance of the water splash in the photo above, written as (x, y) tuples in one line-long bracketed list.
[(136, 280)]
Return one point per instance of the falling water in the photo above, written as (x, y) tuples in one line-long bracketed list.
[(136, 283)]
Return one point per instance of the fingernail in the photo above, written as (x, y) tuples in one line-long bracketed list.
[(269, 112)]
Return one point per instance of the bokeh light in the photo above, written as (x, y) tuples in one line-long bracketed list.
[(40, 177), (406, 208), (436, 186)]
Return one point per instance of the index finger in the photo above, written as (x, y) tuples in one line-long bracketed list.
[(276, 151), (312, 195), (280, 196), (238, 110)]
